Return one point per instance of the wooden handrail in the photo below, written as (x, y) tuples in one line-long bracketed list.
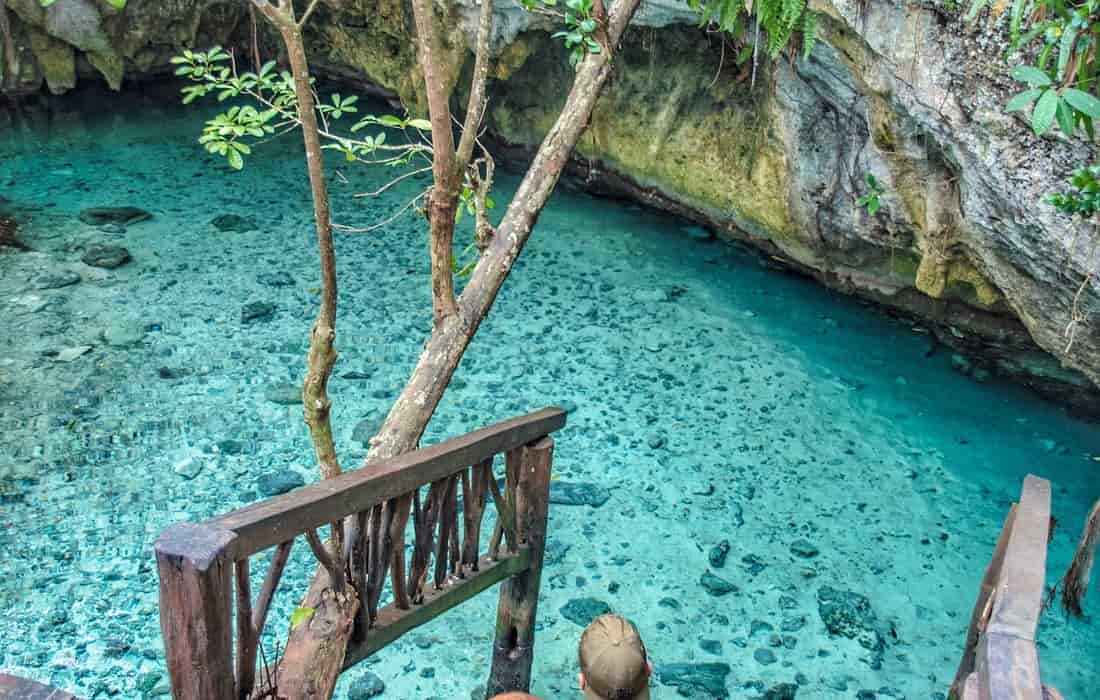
[(269, 522), (1001, 661), (204, 567)]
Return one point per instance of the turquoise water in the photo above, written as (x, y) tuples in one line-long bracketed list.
[(716, 398)]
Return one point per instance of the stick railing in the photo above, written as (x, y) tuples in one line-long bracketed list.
[(1000, 661), (204, 567)]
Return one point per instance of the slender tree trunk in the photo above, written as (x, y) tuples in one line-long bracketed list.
[(413, 409)]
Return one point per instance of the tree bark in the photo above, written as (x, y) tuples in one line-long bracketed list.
[(11, 55), (443, 198), (1075, 584)]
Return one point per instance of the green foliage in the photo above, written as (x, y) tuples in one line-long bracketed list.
[(214, 72), (781, 20), (580, 25), (1083, 198), (1063, 79), (870, 199)]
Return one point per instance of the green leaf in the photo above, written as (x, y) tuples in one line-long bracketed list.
[(117, 4), (1043, 116), (422, 124), (300, 615), (1023, 99), (1065, 50), (1082, 101), (234, 158), (1064, 115), (1031, 75), (873, 206)]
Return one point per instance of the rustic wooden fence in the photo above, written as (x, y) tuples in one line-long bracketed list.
[(1001, 661), (204, 568)]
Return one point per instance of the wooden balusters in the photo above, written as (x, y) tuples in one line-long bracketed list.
[(246, 633), (475, 495), (447, 522), (424, 528), (397, 573), (357, 562)]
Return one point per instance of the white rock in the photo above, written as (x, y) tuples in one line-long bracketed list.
[(70, 354)]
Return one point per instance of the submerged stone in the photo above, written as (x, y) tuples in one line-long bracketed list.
[(581, 611), (106, 256), (804, 549), (70, 354), (56, 280), (284, 394), (257, 312), (718, 554), (121, 334), (716, 585), (781, 691), (566, 493), (275, 279), (765, 657), (233, 223), (706, 677), (124, 216), (276, 483), (366, 686)]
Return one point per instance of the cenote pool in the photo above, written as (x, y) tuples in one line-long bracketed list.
[(714, 398)]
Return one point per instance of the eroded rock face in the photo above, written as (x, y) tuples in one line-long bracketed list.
[(896, 89)]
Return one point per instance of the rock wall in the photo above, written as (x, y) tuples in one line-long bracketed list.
[(902, 90)]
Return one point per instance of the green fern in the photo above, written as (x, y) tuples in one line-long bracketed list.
[(809, 33), (780, 20)]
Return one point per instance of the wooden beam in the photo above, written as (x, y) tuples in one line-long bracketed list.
[(269, 522), (393, 622), (1007, 660), (196, 610)]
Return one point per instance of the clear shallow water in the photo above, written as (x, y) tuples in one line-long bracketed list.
[(800, 414)]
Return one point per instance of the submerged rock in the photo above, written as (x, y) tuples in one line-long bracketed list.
[(123, 216), (366, 429), (716, 585), (366, 686), (581, 611), (56, 280), (70, 354), (849, 614), (106, 256), (804, 549), (284, 394), (780, 691), (122, 334), (233, 223), (707, 677), (565, 493), (718, 554), (257, 312), (278, 278), (276, 483)]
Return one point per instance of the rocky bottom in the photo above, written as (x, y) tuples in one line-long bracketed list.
[(791, 495)]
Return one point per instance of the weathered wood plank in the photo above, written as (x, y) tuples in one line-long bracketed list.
[(393, 622), (1008, 668), (266, 523), (1018, 599), (196, 610), (15, 688)]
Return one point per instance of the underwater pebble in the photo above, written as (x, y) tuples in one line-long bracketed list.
[(765, 657), (57, 280), (780, 691), (685, 677), (565, 493), (257, 311), (275, 483), (718, 553), (123, 216), (70, 354), (366, 686), (581, 611), (717, 586), (284, 394), (106, 256), (804, 549), (234, 223)]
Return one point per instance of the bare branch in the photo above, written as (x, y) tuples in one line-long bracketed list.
[(380, 224), (308, 12), (475, 108), (391, 183)]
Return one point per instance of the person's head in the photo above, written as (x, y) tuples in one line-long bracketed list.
[(614, 664)]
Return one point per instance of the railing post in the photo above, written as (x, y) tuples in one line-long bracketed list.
[(196, 610), (513, 650)]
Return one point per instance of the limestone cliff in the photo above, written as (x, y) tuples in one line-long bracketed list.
[(902, 90)]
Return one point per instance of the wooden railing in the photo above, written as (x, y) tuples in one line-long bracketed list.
[(1001, 661), (204, 568)]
